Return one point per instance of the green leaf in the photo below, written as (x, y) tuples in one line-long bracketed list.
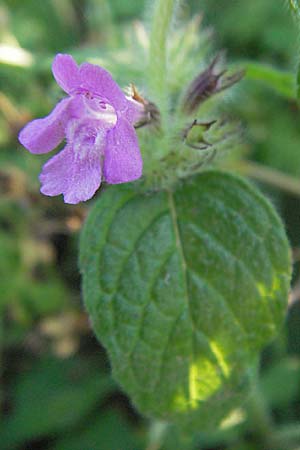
[(52, 397), (287, 369), (108, 430), (282, 82), (184, 289)]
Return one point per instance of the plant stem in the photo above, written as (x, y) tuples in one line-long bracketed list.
[(272, 438), (273, 177), (157, 434), (259, 413), (288, 435), (157, 73)]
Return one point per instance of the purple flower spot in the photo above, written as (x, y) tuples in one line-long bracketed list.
[(97, 122)]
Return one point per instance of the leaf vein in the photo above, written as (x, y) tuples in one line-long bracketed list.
[(200, 232), (221, 296)]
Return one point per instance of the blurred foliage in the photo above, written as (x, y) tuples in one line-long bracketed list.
[(56, 391)]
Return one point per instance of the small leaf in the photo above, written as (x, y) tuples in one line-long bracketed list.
[(184, 289), (282, 82)]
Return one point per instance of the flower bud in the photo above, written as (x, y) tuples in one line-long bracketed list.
[(208, 83), (151, 114)]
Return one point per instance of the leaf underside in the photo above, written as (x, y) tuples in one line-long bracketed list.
[(184, 288)]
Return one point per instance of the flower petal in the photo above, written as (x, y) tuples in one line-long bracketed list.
[(66, 73), (100, 82), (78, 179), (123, 160), (43, 135)]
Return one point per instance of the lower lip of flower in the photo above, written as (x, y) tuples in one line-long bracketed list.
[(99, 109)]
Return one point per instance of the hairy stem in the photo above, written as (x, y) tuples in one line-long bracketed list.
[(162, 17)]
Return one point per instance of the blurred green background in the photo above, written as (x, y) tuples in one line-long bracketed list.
[(56, 388)]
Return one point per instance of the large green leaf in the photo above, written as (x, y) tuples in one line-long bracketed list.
[(184, 288)]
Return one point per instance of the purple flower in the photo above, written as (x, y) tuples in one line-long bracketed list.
[(97, 121)]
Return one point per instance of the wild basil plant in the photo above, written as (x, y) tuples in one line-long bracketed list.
[(186, 271)]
